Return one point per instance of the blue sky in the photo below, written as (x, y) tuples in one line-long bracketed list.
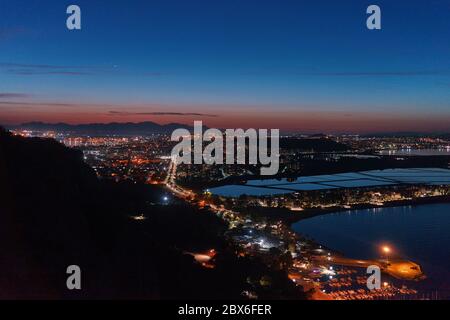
[(225, 57)]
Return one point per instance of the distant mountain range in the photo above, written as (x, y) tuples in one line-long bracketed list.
[(149, 128), (401, 134), (113, 128)]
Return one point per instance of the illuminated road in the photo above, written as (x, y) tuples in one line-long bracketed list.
[(400, 269), (172, 186), (170, 183)]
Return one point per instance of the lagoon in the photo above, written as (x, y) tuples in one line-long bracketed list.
[(417, 233)]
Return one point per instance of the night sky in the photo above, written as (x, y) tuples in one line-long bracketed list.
[(310, 66)]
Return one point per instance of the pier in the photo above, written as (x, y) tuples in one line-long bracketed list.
[(400, 269)]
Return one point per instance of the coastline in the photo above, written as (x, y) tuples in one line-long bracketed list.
[(399, 269), (310, 213)]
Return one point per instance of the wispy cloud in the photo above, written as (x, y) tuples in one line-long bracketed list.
[(385, 74), (26, 69), (46, 69), (13, 95), (7, 33), (33, 73), (124, 113), (39, 66), (98, 107), (407, 73), (24, 103)]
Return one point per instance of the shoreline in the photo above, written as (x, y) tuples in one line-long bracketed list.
[(310, 213), (396, 270)]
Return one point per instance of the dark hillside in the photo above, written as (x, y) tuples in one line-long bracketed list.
[(54, 212)]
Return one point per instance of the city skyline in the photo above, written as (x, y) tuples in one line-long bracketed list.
[(295, 66)]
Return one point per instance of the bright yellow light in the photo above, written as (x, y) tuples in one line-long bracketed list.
[(386, 249)]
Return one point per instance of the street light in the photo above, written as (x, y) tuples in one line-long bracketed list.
[(386, 251)]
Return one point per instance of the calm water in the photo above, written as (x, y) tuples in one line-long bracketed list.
[(416, 152), (418, 233)]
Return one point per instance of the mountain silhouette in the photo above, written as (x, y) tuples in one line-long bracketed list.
[(113, 128)]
